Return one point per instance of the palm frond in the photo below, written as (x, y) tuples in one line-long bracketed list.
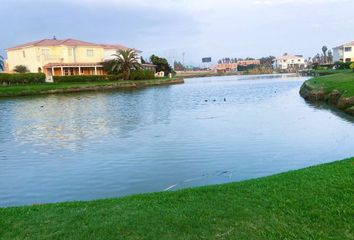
[(125, 61)]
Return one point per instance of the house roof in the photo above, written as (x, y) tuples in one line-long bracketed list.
[(49, 65), (285, 57), (346, 44), (67, 42)]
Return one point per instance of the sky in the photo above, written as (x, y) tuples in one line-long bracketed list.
[(193, 28)]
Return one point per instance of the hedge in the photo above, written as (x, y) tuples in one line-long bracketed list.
[(134, 75), (343, 65), (21, 78), (79, 78), (142, 75)]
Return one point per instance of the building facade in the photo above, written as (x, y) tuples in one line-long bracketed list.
[(226, 67), (344, 53), (62, 57), (290, 62), (248, 62)]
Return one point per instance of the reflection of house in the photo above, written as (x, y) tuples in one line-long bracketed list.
[(226, 67), (63, 57), (290, 62), (344, 53)]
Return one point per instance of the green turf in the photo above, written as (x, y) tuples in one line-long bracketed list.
[(343, 82), (36, 89), (312, 203)]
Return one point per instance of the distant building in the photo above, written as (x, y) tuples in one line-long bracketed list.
[(248, 62), (226, 67), (290, 62), (56, 57), (344, 53)]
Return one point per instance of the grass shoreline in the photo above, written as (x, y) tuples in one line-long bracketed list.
[(74, 87), (335, 89), (311, 203)]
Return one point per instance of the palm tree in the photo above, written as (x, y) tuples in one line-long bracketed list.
[(324, 50), (125, 61), (2, 63)]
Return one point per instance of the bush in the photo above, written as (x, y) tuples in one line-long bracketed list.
[(115, 77), (134, 75), (323, 67), (21, 78), (342, 65), (79, 78), (141, 75), (242, 68), (352, 66)]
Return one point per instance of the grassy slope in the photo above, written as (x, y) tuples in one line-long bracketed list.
[(34, 89), (343, 82), (313, 203)]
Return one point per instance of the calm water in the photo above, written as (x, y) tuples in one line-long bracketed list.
[(99, 145)]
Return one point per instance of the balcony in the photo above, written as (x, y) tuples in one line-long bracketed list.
[(51, 59)]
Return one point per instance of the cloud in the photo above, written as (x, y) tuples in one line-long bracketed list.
[(217, 28)]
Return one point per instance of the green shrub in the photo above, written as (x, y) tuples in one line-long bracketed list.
[(323, 67), (79, 78), (21, 78), (141, 75), (352, 66), (115, 77), (342, 65)]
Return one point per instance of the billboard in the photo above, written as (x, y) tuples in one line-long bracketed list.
[(206, 60)]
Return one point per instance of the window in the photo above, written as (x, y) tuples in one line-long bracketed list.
[(24, 54), (89, 52), (348, 49), (299, 60), (348, 60), (45, 53)]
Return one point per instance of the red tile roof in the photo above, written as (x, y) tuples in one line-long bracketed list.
[(67, 42), (49, 65)]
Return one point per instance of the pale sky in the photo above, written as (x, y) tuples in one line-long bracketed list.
[(199, 28)]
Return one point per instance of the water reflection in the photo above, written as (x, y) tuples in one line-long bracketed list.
[(67, 121)]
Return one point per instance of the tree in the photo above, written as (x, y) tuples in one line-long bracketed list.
[(21, 69), (179, 66), (124, 62), (316, 59), (2, 63), (161, 64), (143, 60), (324, 50), (330, 56), (267, 61)]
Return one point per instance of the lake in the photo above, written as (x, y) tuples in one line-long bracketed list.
[(207, 131)]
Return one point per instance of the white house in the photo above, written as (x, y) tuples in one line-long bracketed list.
[(344, 53), (290, 62)]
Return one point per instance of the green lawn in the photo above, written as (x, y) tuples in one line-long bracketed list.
[(36, 89), (330, 71), (343, 82), (313, 203)]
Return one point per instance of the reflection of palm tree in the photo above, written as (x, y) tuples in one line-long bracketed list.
[(2, 63), (125, 61)]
